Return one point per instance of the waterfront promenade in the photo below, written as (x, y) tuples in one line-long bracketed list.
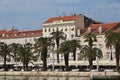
[(58, 73)]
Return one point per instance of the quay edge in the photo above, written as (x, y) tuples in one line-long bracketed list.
[(58, 73)]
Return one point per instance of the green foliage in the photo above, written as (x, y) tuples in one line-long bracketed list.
[(90, 38), (41, 46), (25, 54), (89, 52), (57, 36), (113, 39), (4, 52)]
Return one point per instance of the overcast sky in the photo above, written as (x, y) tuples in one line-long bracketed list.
[(30, 14)]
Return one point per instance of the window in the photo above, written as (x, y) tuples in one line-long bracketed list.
[(72, 28), (49, 29), (107, 55), (65, 29), (33, 33), (7, 35), (94, 45), (35, 39), (25, 40), (65, 35), (24, 33), (30, 40), (61, 29), (57, 28), (45, 30), (72, 35), (100, 39), (15, 34), (100, 46), (3, 35), (53, 30)]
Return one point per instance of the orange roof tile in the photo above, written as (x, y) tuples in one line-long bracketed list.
[(64, 18), (2, 31), (23, 34), (105, 27)]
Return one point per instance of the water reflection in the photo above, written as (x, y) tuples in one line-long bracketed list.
[(41, 78)]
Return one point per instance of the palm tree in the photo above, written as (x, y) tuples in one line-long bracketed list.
[(4, 51), (90, 38), (14, 49), (91, 54), (75, 44), (57, 36), (42, 46), (65, 48), (25, 54), (113, 39)]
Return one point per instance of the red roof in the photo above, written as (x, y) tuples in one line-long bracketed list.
[(105, 27), (17, 34), (64, 18), (2, 31)]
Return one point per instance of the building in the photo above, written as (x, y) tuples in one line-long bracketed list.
[(66, 24), (99, 30), (21, 37), (74, 26), (16, 36)]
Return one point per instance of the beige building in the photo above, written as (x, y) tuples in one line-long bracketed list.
[(99, 30), (21, 37), (66, 24), (74, 26)]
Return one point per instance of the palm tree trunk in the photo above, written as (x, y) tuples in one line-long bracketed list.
[(15, 59), (66, 58), (117, 62), (58, 53), (111, 58), (5, 62), (26, 64), (24, 67), (117, 49), (44, 65), (74, 55), (44, 58), (90, 63), (58, 58)]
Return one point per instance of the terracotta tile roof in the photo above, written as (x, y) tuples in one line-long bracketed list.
[(64, 18), (2, 31), (20, 34), (105, 27)]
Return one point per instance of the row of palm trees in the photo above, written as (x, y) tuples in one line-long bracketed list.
[(19, 52), (27, 52)]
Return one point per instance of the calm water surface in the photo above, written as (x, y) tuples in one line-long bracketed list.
[(41, 78)]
